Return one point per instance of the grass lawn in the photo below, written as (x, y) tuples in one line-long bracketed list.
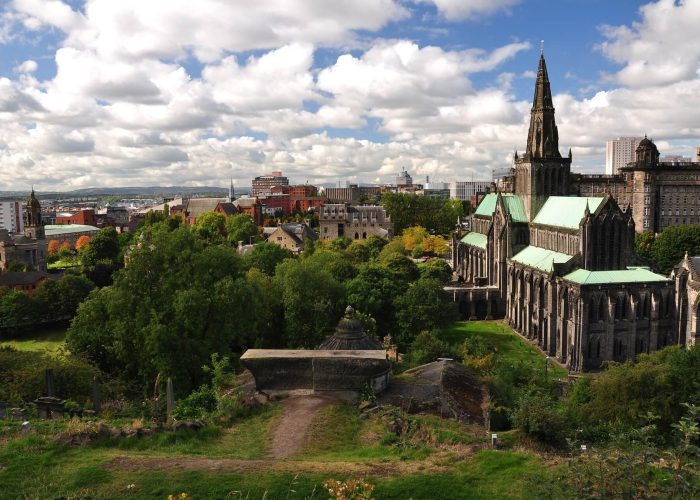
[(188, 463), (509, 345), (49, 340), (64, 264)]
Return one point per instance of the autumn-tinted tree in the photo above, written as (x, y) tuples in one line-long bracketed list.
[(54, 247), (82, 241)]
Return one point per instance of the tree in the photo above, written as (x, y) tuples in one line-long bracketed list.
[(265, 256), (211, 226), (673, 242), (313, 298), (104, 246), (435, 245), (100, 257), (644, 244), (82, 241), (437, 269), (240, 227), (53, 247), (373, 291), (59, 300), (413, 236), (436, 215), (424, 306), (180, 299)]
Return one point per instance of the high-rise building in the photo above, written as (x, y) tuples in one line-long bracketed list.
[(466, 190), (403, 179), (619, 152), (11, 216), (262, 185)]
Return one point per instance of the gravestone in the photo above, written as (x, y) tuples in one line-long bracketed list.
[(3, 409), (170, 401), (48, 376), (49, 406), (96, 396), (26, 428)]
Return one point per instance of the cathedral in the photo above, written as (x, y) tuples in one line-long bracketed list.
[(561, 269)]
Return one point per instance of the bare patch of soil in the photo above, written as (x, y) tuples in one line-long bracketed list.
[(291, 429)]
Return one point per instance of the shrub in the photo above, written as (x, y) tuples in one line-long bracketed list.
[(540, 415), (199, 404)]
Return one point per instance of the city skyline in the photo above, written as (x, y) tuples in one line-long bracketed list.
[(104, 93)]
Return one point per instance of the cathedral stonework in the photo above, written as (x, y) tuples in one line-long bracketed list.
[(561, 269)]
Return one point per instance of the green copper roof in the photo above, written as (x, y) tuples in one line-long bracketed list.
[(540, 258), (566, 211), (513, 204), (60, 229), (629, 275), (475, 240)]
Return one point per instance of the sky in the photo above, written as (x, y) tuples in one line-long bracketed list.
[(177, 92)]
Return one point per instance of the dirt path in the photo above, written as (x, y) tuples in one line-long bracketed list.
[(297, 414), (437, 464)]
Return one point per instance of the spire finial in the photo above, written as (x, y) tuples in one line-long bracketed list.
[(541, 47)]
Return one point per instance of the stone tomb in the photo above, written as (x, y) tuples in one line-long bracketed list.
[(317, 370)]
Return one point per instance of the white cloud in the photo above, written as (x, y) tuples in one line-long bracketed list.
[(660, 49), (27, 66)]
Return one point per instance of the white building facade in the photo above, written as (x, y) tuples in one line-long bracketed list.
[(619, 152), (12, 216)]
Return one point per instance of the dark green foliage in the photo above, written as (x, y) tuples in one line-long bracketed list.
[(340, 243), (22, 376), (312, 296), (17, 310), (437, 269), (404, 269), (59, 300), (657, 383), (101, 256), (424, 306), (198, 404), (427, 347), (373, 291), (437, 215), (176, 302), (667, 249), (240, 227), (265, 256), (541, 415)]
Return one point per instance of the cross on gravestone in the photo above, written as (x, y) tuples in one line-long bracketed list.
[(96, 396), (48, 375), (170, 401)]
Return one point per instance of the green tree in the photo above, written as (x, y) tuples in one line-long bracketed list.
[(313, 299), (211, 226), (437, 269), (265, 256), (104, 246), (60, 299), (673, 242), (644, 244), (180, 299), (17, 310), (240, 227), (424, 306), (373, 291)]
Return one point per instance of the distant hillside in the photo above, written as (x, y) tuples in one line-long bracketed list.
[(127, 191)]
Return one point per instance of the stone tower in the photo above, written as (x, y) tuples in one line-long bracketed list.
[(541, 171), (33, 225)]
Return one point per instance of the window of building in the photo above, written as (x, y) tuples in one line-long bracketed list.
[(647, 200), (646, 210), (647, 188), (646, 223)]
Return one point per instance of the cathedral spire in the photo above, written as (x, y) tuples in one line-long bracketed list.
[(543, 137)]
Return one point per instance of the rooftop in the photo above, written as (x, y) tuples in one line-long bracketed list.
[(311, 353), (540, 258), (476, 240), (514, 206), (629, 275), (59, 229), (566, 211)]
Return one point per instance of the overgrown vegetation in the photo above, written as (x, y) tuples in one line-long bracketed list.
[(666, 249)]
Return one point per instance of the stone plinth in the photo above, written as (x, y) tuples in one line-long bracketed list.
[(317, 370), (50, 407)]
